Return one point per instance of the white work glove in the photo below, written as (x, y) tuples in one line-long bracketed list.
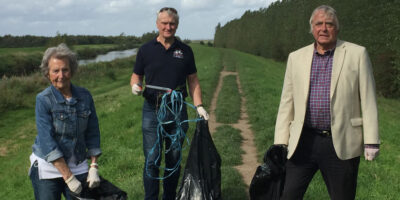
[(93, 178), (202, 112), (74, 184), (370, 153), (136, 89)]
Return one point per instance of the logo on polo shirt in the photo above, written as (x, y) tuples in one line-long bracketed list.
[(178, 54)]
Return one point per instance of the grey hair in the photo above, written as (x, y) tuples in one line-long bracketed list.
[(61, 52), (329, 12), (171, 12)]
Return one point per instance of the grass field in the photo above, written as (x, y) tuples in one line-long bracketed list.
[(119, 115), (227, 140), (22, 50), (228, 103)]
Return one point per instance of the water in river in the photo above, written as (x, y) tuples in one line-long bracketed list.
[(110, 56)]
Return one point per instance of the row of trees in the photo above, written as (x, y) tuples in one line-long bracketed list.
[(9, 41), (283, 27)]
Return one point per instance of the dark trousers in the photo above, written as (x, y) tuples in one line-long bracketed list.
[(150, 137), (50, 189), (316, 152)]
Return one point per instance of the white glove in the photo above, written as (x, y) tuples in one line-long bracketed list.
[(371, 153), (74, 184), (202, 112), (136, 89), (93, 178)]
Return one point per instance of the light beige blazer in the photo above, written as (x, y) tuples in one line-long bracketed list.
[(354, 114)]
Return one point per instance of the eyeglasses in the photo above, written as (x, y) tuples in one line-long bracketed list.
[(168, 9)]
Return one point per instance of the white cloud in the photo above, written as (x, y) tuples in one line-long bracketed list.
[(13, 8), (64, 3), (155, 2), (114, 6), (249, 2), (12, 20), (196, 4), (198, 18)]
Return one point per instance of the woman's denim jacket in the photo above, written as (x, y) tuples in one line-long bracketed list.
[(66, 127)]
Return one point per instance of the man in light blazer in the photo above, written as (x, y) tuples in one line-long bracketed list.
[(328, 113)]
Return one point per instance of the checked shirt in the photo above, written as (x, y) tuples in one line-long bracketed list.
[(318, 106)]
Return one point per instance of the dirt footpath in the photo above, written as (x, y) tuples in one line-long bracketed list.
[(249, 158)]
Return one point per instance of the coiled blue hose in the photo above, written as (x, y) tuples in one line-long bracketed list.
[(171, 101)]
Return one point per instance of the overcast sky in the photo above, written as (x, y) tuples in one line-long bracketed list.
[(198, 18)]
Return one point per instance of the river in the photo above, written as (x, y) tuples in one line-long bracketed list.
[(110, 56)]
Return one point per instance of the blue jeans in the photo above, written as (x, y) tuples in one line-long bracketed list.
[(149, 129), (51, 189)]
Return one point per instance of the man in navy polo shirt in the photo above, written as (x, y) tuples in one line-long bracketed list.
[(164, 62)]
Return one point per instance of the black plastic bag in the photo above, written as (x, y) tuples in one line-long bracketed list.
[(202, 176), (105, 191), (269, 179)]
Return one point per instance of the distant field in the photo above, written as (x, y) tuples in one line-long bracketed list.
[(94, 46), (4, 51)]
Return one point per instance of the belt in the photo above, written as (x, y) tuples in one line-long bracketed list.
[(324, 133)]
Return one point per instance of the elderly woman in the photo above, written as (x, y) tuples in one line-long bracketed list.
[(68, 131)]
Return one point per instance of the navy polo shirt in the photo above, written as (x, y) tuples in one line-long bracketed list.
[(164, 68)]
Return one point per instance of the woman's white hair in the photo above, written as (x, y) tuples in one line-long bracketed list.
[(61, 52)]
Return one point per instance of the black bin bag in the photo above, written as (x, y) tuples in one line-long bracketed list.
[(202, 175), (269, 179), (105, 191)]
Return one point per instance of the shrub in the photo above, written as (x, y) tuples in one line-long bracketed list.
[(20, 92), (19, 64)]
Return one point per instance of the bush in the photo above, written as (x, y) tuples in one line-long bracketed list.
[(19, 64), (20, 92)]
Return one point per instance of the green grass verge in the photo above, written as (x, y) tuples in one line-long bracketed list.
[(228, 103), (229, 61), (261, 81), (208, 62), (227, 140)]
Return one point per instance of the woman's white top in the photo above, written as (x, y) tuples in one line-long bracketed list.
[(48, 171)]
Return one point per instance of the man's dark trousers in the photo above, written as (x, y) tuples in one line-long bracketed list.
[(316, 152)]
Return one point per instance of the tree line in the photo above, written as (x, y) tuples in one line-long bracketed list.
[(283, 27), (9, 41)]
